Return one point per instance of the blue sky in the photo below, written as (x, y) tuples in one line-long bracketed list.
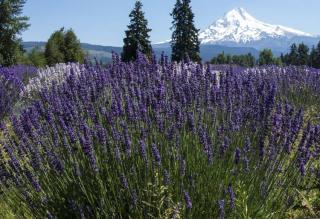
[(104, 21)]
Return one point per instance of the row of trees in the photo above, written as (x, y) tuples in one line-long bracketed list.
[(298, 55), (184, 41), (247, 60), (265, 58), (301, 55)]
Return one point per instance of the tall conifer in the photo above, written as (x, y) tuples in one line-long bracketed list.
[(185, 41), (137, 35), (12, 23), (303, 54)]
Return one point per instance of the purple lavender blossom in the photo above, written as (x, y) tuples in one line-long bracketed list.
[(221, 204), (124, 181), (88, 151), (237, 156), (156, 154), (143, 151), (232, 196), (35, 183), (187, 200)]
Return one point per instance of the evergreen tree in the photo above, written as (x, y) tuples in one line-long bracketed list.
[(137, 35), (12, 23), (266, 57), (293, 55), (185, 41), (55, 47), (317, 63), (73, 51), (313, 62), (303, 54), (229, 59), (221, 59), (250, 60)]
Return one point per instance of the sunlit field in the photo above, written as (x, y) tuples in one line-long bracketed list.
[(155, 139)]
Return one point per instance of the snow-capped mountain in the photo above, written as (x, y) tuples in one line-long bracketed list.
[(239, 28)]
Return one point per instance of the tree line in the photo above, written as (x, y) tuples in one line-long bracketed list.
[(298, 55), (247, 60), (302, 55)]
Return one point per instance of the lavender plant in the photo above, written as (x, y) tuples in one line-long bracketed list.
[(165, 140), (11, 85)]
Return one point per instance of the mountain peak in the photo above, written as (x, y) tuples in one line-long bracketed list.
[(238, 26), (237, 11)]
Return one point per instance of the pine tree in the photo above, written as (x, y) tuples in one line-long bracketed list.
[(266, 57), (12, 23), (137, 35), (250, 60), (303, 54), (221, 59), (313, 62), (317, 63), (185, 41), (293, 55), (73, 51)]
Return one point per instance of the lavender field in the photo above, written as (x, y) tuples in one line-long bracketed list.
[(155, 139)]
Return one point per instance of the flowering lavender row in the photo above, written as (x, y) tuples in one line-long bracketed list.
[(159, 139), (11, 85), (47, 76)]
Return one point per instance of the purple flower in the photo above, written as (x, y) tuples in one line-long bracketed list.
[(191, 123), (237, 156), (88, 151), (156, 154), (143, 151), (134, 197), (232, 196), (33, 180), (224, 146), (221, 208), (187, 200), (166, 178), (124, 181), (302, 168)]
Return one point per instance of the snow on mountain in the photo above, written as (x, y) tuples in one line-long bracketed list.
[(238, 26)]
